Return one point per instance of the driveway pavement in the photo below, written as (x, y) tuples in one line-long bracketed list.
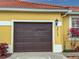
[(37, 55), (72, 55)]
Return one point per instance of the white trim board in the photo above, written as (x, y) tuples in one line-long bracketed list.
[(34, 10), (58, 48), (72, 13), (5, 23), (53, 32), (32, 20), (70, 20)]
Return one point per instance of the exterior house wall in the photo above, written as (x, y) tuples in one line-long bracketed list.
[(5, 35), (5, 31), (66, 39)]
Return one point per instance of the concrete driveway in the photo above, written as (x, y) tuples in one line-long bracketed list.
[(37, 55)]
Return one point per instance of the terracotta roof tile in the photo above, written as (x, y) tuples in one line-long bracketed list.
[(21, 4), (73, 8)]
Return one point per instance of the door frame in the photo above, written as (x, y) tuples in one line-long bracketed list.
[(12, 31)]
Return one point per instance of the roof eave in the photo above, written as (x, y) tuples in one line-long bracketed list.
[(73, 13), (34, 10)]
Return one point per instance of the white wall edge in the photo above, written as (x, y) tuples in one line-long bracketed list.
[(9, 49), (57, 48), (5, 23), (32, 20)]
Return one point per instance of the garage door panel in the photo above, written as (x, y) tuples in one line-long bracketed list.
[(18, 47), (33, 37), (37, 46)]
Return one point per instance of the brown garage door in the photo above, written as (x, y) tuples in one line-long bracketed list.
[(32, 37)]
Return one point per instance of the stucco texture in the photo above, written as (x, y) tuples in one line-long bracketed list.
[(66, 39)]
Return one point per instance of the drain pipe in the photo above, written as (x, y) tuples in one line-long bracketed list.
[(66, 13)]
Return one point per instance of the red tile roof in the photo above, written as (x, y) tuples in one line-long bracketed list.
[(73, 8), (21, 4)]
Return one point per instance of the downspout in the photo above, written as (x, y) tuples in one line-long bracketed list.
[(66, 13)]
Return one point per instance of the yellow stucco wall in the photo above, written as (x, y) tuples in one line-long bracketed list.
[(28, 16), (66, 40), (5, 31), (5, 34)]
